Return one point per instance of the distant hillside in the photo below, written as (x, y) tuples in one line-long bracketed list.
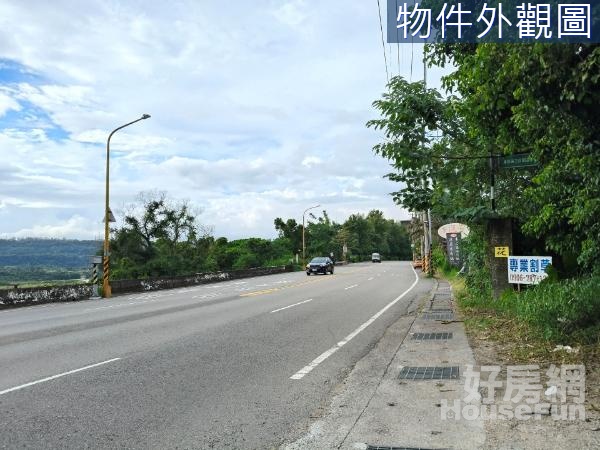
[(59, 253), (44, 260)]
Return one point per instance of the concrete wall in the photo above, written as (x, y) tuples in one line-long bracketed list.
[(35, 296), (155, 284)]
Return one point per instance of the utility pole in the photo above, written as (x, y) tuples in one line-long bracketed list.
[(106, 289), (492, 181), (303, 242), (427, 237)]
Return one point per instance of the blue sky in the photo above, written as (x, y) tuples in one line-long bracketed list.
[(258, 111)]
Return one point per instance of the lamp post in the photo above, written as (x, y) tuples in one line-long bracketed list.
[(106, 261), (303, 244)]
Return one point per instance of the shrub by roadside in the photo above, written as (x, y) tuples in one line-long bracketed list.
[(527, 327), (568, 309)]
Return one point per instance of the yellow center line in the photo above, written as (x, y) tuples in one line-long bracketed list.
[(269, 291)]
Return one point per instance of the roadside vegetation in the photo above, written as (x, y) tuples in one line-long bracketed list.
[(160, 236), (446, 147), (556, 322)]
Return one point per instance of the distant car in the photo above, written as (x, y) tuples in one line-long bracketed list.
[(376, 258), (321, 264)]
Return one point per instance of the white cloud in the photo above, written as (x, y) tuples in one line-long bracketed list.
[(8, 103), (258, 109), (310, 161), (75, 227), (292, 13)]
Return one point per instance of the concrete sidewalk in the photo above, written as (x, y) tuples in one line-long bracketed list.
[(374, 408)]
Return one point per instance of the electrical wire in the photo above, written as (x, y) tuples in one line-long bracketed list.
[(398, 44), (387, 74), (412, 58)]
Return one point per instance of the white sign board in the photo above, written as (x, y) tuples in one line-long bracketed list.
[(527, 269), (453, 228)]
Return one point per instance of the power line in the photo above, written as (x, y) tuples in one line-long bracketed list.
[(398, 45), (412, 58), (387, 74)]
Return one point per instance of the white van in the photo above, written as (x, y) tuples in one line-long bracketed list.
[(376, 257)]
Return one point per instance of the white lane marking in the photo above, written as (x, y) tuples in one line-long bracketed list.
[(291, 306), (53, 377), (307, 369), (351, 287), (371, 279)]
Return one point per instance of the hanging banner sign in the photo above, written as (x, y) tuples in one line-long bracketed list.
[(453, 247)]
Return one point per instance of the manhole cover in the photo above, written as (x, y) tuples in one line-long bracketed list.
[(431, 336), (429, 373), (438, 316)]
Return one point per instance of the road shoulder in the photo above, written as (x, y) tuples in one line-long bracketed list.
[(374, 407)]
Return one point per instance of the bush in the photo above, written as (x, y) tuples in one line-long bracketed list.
[(561, 310), (478, 279), (440, 262)]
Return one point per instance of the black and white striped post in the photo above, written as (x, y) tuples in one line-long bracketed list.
[(96, 261)]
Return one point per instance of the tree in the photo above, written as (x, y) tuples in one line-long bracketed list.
[(503, 99), (159, 236), (292, 231), (321, 236)]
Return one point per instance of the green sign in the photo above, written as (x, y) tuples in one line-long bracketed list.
[(517, 161)]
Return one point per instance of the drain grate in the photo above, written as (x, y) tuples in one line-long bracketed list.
[(429, 373), (438, 316), (431, 336), (378, 447), (441, 296)]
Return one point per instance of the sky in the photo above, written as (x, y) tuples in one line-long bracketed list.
[(258, 111)]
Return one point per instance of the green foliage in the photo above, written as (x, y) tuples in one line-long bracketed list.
[(21, 275), (478, 281), (362, 235), (503, 99), (161, 237), (292, 231), (440, 262), (561, 310)]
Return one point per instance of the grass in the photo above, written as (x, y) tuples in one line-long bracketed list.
[(518, 333)]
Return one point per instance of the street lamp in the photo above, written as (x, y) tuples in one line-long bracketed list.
[(303, 244), (107, 214)]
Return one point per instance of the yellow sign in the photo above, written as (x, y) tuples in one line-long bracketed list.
[(502, 252)]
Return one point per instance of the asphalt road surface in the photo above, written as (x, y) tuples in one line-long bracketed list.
[(238, 364)]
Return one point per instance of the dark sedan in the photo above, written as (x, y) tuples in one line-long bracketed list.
[(321, 264)]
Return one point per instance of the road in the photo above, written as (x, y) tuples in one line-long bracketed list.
[(238, 364)]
